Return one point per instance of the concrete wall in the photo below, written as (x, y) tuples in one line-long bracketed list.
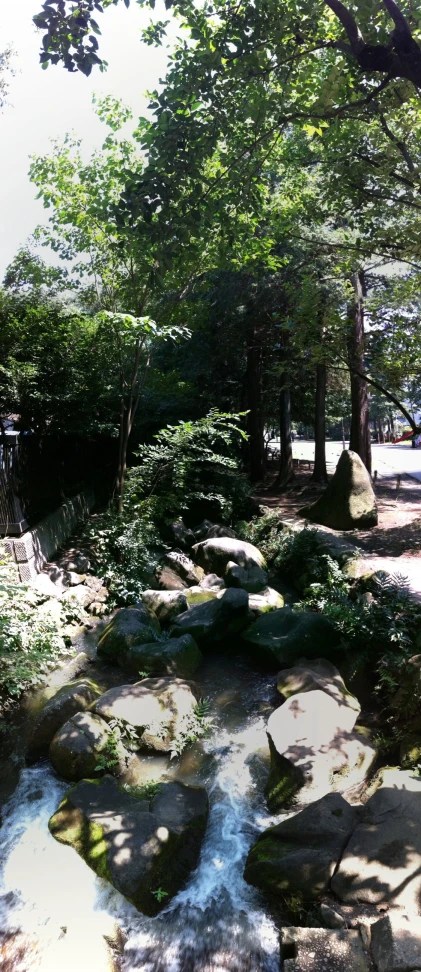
[(36, 546)]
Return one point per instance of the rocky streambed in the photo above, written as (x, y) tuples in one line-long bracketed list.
[(207, 797)]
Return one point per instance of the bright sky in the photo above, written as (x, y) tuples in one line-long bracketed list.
[(47, 104)]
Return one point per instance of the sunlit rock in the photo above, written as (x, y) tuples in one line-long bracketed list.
[(319, 949), (159, 709), (86, 747), (348, 502), (319, 674), (267, 600), (70, 699), (216, 619), (224, 555), (165, 604), (145, 848), (189, 572)]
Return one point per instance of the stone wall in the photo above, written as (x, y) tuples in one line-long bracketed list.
[(36, 546)]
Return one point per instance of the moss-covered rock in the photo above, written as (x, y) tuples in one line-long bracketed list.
[(130, 626), (410, 750), (175, 656), (216, 619), (267, 600), (160, 709), (145, 848), (74, 697), (284, 635), (199, 595), (86, 747), (165, 604), (348, 502)]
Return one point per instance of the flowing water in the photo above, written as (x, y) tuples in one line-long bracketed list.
[(57, 916)]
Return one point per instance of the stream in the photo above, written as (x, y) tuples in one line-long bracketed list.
[(57, 916)]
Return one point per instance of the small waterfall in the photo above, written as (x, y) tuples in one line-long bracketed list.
[(56, 914)]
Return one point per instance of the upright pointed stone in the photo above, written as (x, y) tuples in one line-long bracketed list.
[(348, 502)]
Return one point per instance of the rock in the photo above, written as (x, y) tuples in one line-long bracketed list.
[(201, 531), (138, 845), (285, 635), (267, 600), (78, 746), (168, 580), (382, 861), (75, 559), (219, 618), (72, 698), (95, 583), (330, 917), (212, 582), (98, 608), (348, 502), (216, 554), (184, 567), (79, 595), (319, 674), (43, 584), (158, 708), (165, 604), (314, 750), (199, 595), (396, 943), (129, 626), (299, 855), (180, 534), (410, 750), (319, 949), (176, 656), (219, 530)]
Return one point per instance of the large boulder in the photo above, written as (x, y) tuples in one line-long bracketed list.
[(72, 698), (320, 949), (199, 595), (130, 626), (141, 846), (396, 942), (314, 749), (211, 582), (180, 534), (308, 676), (216, 619), (189, 572), (175, 656), (284, 635), (168, 579), (165, 604), (299, 855), (348, 502), (222, 555), (86, 747), (159, 709), (382, 861)]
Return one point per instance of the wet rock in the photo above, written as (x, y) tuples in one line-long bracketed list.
[(165, 604), (299, 855), (382, 861), (267, 600), (160, 709), (130, 626), (216, 554), (314, 750), (189, 572), (319, 674), (319, 949), (348, 502), (396, 943), (70, 699), (175, 656), (168, 579), (78, 746), (285, 635), (212, 582), (138, 845), (219, 618)]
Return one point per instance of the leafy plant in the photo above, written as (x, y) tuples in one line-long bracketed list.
[(160, 894), (109, 757), (193, 727)]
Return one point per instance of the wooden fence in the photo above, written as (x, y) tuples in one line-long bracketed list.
[(12, 518)]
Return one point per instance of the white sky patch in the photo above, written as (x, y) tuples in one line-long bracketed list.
[(46, 104)]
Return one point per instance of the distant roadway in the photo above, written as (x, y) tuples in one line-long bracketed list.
[(387, 459)]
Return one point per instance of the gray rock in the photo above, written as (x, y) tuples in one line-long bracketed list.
[(175, 656), (382, 861), (299, 855), (313, 749), (165, 604), (93, 582), (319, 950), (223, 554), (136, 844), (184, 567), (168, 579), (180, 534), (75, 559), (330, 917), (318, 674), (348, 502), (219, 618), (285, 635), (77, 747), (130, 626), (267, 600), (70, 699), (79, 595), (219, 530), (396, 943), (199, 595), (160, 709), (212, 582)]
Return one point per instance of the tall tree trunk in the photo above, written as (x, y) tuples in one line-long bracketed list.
[(286, 470), (320, 472), (360, 439), (392, 422), (254, 403)]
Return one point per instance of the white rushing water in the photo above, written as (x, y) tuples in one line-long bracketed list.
[(54, 912)]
